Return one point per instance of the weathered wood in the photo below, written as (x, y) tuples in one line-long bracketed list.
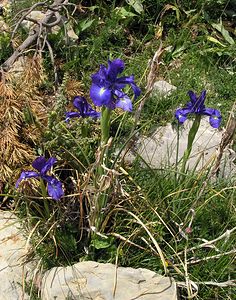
[(34, 34)]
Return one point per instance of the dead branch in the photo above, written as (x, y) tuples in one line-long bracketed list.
[(152, 75), (35, 33), (23, 17), (193, 261), (52, 60), (227, 138), (225, 235), (228, 283)]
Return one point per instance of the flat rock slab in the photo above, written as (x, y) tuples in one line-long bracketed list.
[(13, 247), (97, 281), (162, 148)]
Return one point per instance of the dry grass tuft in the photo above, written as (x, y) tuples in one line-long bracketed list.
[(73, 88), (22, 117)]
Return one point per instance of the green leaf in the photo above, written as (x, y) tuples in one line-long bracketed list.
[(101, 242), (178, 51), (212, 39), (224, 32), (85, 24), (137, 5), (123, 13)]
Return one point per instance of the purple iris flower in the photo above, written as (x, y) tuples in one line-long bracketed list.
[(107, 87), (84, 109), (42, 165), (196, 106)]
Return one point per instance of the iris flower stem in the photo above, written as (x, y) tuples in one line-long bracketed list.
[(177, 155), (191, 136), (44, 194), (84, 130), (105, 134), (105, 125)]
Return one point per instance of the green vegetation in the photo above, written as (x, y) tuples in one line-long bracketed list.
[(151, 218)]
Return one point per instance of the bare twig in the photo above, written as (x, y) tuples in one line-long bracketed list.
[(226, 140), (152, 75), (23, 17), (35, 33), (192, 261), (228, 283), (53, 62), (226, 234)]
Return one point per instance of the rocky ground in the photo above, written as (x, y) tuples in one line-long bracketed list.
[(84, 280)]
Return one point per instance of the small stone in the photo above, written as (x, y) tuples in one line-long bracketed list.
[(163, 88)]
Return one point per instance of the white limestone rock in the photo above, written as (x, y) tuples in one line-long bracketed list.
[(163, 88), (160, 149), (12, 251), (97, 281)]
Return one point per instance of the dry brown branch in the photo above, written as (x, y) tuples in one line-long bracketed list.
[(226, 140), (152, 75), (35, 33), (28, 11), (52, 60)]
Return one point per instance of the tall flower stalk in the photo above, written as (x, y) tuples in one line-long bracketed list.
[(107, 91), (196, 106)]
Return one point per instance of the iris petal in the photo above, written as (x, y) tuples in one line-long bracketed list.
[(124, 103), (210, 111), (101, 76), (107, 88), (115, 67), (196, 105), (85, 109), (81, 104), (51, 161), (100, 95), (39, 163), (215, 121), (54, 187), (24, 175), (200, 102), (193, 97), (94, 114), (181, 114), (215, 116), (72, 114), (122, 81)]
